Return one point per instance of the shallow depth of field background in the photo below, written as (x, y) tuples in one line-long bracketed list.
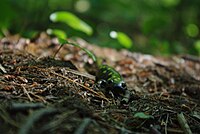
[(159, 27)]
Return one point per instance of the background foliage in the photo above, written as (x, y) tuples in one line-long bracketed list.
[(155, 26)]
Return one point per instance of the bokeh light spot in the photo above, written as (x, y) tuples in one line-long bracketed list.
[(82, 6), (113, 34)]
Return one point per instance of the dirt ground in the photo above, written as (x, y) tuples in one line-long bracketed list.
[(41, 94)]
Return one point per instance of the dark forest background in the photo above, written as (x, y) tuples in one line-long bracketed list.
[(159, 27)]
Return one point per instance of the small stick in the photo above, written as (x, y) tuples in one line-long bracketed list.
[(3, 69), (57, 51), (191, 58), (26, 92), (39, 97), (166, 123)]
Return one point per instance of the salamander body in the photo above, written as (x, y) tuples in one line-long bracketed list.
[(111, 80)]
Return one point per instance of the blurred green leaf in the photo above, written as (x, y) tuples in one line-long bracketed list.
[(90, 54), (57, 32), (192, 30), (123, 39), (62, 41), (142, 115), (71, 20)]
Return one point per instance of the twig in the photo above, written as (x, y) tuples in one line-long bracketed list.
[(26, 92), (191, 58), (39, 97), (183, 123), (57, 51), (166, 123), (175, 131), (3, 69)]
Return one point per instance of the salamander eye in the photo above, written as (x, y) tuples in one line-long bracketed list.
[(123, 85)]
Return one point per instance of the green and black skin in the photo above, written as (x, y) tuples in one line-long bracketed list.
[(111, 80), (107, 77)]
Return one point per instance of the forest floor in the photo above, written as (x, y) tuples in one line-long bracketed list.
[(41, 94)]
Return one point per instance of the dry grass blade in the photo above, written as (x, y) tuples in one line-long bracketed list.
[(26, 92), (92, 77), (39, 97)]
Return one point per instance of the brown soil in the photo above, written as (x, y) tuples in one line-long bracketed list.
[(41, 94)]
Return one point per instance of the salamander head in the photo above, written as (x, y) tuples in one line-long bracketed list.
[(120, 88), (117, 88)]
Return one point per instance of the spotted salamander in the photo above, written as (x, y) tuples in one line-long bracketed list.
[(109, 79)]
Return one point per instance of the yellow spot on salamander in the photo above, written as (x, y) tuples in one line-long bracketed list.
[(103, 67), (110, 74), (115, 79), (110, 79), (109, 68), (104, 71)]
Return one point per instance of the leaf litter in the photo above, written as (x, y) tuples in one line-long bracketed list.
[(40, 94)]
